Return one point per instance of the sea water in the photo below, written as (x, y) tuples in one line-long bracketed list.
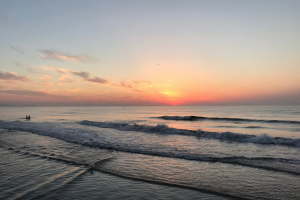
[(165, 152)]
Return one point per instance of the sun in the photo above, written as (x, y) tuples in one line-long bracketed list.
[(170, 93), (171, 97)]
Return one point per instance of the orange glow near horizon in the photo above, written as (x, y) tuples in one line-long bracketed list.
[(173, 56), (80, 88)]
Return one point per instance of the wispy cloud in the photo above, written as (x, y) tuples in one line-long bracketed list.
[(64, 79), (18, 49), (136, 90), (97, 80), (45, 78), (33, 70), (29, 93), (56, 69), (18, 64), (12, 76), (142, 82), (55, 55), (105, 81), (84, 75), (145, 83), (128, 85), (47, 84)]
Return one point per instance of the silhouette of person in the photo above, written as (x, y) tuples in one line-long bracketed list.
[(28, 117)]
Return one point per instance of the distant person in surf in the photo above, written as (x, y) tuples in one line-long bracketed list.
[(28, 117)]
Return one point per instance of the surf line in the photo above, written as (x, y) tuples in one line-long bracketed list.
[(199, 118)]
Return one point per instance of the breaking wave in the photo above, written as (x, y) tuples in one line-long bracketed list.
[(236, 120), (225, 136), (93, 138), (159, 128)]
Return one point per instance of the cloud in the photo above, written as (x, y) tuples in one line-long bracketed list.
[(137, 90), (54, 55), (18, 49), (97, 80), (64, 79), (84, 75), (12, 76), (34, 71), (142, 82), (47, 84), (29, 93), (128, 85), (56, 69), (29, 69), (18, 64), (45, 78), (81, 74)]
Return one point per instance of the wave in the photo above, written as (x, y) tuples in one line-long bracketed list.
[(250, 127), (88, 137), (235, 120), (254, 127), (225, 136), (266, 163), (159, 128), (91, 138)]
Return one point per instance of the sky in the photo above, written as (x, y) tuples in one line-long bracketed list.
[(149, 52)]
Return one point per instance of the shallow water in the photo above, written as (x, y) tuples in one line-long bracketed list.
[(35, 167), (238, 152)]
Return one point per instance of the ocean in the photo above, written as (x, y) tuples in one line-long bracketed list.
[(150, 152)]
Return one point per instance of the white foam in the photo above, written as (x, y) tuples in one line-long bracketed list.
[(259, 139), (129, 143), (92, 138), (159, 128), (226, 136), (73, 135)]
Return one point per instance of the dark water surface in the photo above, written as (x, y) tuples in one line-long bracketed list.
[(150, 152), (31, 172)]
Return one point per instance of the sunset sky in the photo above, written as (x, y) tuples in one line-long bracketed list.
[(150, 52)]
